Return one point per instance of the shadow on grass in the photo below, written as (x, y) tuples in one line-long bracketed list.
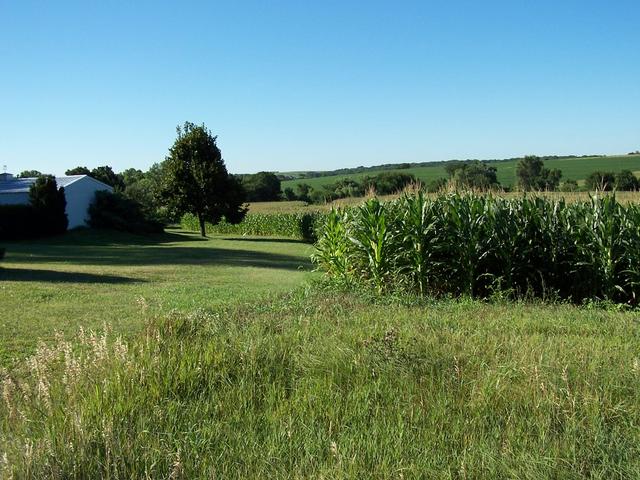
[(266, 240), (53, 276), (108, 248), (128, 255)]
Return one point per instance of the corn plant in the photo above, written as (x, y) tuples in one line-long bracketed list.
[(477, 245)]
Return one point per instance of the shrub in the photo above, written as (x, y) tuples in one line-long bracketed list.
[(479, 245), (114, 211)]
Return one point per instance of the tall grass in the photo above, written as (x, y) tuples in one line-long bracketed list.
[(480, 245), (292, 225), (328, 385)]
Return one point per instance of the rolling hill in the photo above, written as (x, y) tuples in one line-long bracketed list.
[(574, 168)]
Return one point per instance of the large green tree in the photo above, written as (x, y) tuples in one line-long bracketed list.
[(195, 179)]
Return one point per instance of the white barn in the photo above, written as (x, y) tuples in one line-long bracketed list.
[(79, 191)]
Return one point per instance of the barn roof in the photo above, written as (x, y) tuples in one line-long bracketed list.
[(22, 185)]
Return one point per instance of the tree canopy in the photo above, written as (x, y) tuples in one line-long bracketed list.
[(627, 181), (105, 174), (195, 179), (78, 171), (532, 175), (261, 187), (476, 175), (29, 174)]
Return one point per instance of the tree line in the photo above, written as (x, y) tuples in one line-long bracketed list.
[(193, 179)]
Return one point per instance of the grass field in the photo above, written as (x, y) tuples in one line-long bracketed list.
[(249, 381), (87, 278), (572, 168)]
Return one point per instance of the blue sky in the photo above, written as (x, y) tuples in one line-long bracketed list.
[(316, 85)]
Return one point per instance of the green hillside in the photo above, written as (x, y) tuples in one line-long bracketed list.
[(572, 168)]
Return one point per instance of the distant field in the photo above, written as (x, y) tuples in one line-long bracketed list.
[(294, 207), (572, 168)]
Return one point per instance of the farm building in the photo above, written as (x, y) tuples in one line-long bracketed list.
[(79, 191)]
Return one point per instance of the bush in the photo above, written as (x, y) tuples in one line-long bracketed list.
[(114, 211), (301, 226), (480, 245)]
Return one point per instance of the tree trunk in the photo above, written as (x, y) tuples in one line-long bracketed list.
[(203, 231)]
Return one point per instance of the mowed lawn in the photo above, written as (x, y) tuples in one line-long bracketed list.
[(88, 278)]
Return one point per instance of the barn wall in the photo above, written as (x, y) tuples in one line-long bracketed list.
[(20, 198), (79, 195)]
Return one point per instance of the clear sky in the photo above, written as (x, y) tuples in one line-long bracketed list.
[(316, 85)]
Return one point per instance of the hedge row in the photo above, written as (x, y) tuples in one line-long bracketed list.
[(292, 225)]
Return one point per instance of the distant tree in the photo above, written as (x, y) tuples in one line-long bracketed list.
[(289, 194), (50, 203), (476, 175), (569, 186), (600, 181), (196, 180), (303, 191), (550, 180), (29, 174), (318, 197), (532, 175), (261, 187), (388, 182), (452, 166), (347, 187), (105, 174), (626, 181), (78, 171), (131, 176)]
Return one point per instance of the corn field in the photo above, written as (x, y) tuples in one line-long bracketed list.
[(481, 246), (292, 225)]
